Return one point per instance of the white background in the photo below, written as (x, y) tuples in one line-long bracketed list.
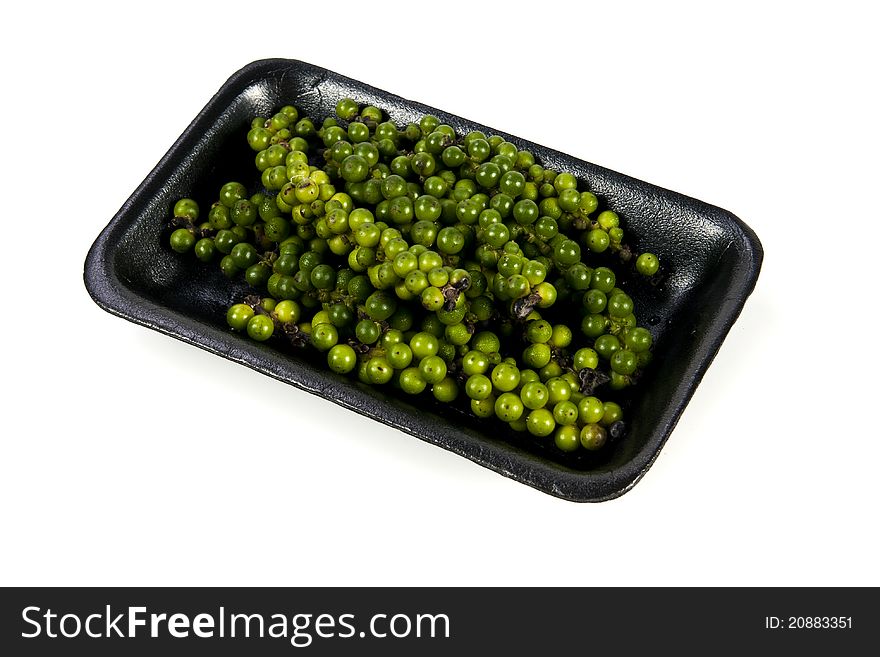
[(131, 458)]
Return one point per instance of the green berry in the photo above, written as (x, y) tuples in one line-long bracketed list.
[(567, 438), (565, 412), (585, 358), (505, 377), (341, 358), (558, 390), (379, 370), (613, 413), (432, 369), (508, 407), (445, 390), (647, 264), (411, 381), (238, 316), (182, 240), (540, 422), (186, 208), (260, 328), (590, 410), (534, 395)]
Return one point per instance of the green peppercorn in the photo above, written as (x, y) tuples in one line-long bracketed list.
[(435, 256)]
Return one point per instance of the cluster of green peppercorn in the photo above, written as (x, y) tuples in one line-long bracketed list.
[(420, 259)]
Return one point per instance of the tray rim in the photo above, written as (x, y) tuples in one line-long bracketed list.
[(109, 293)]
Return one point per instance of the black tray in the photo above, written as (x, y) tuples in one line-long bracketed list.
[(713, 259)]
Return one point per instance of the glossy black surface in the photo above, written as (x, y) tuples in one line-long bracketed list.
[(712, 257)]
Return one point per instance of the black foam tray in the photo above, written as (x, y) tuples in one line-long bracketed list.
[(712, 257)]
